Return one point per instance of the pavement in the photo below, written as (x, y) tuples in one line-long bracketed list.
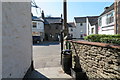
[(46, 57)]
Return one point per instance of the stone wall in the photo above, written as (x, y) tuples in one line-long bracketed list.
[(98, 60)]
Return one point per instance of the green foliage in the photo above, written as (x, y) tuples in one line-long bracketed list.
[(115, 39), (110, 40)]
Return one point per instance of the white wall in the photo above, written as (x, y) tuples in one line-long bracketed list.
[(17, 39), (40, 26), (72, 32), (94, 27), (79, 30), (88, 26), (0, 40), (106, 30)]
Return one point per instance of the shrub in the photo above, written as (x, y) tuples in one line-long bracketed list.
[(115, 39), (110, 40)]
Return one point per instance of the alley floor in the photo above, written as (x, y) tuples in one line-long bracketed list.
[(47, 58)]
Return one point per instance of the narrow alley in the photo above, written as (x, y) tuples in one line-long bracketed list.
[(46, 57)]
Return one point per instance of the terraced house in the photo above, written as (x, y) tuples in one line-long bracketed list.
[(106, 21), (53, 27)]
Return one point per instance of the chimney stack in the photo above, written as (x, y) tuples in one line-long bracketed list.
[(43, 15), (106, 8)]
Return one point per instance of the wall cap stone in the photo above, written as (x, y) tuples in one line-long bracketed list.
[(96, 44)]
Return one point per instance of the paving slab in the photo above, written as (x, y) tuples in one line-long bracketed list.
[(47, 59), (50, 73)]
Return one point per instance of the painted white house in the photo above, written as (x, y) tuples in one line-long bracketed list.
[(80, 30), (92, 25), (71, 29), (16, 39), (38, 28), (85, 26), (106, 21)]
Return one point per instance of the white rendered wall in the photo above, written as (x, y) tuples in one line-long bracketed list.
[(40, 26), (16, 39), (94, 32), (106, 30), (72, 32), (79, 30), (0, 40)]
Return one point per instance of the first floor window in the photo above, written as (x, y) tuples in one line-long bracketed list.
[(110, 18), (81, 24), (34, 25), (92, 30)]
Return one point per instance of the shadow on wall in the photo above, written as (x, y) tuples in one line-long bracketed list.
[(80, 73)]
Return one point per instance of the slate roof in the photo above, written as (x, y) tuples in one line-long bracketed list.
[(109, 9), (51, 20), (93, 20), (80, 19), (71, 24), (34, 18)]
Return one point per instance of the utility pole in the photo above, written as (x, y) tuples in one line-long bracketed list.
[(64, 31), (65, 28)]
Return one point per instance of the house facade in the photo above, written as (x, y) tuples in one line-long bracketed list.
[(37, 29), (106, 21), (53, 27), (80, 30), (71, 29), (85, 26), (92, 25)]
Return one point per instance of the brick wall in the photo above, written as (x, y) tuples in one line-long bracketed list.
[(98, 60)]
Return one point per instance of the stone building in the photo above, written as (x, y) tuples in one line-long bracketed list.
[(53, 27)]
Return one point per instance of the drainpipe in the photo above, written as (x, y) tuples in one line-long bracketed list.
[(116, 26)]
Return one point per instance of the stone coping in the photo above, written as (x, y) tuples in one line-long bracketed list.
[(96, 44)]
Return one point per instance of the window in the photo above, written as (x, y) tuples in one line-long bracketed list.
[(81, 31), (110, 18), (100, 21), (81, 24), (56, 27), (71, 29), (92, 30), (34, 25)]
